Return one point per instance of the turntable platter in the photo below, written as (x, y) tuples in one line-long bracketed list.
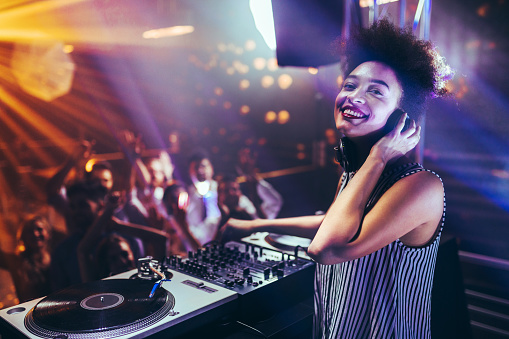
[(112, 307)]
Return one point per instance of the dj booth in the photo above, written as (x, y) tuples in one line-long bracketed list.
[(260, 287)]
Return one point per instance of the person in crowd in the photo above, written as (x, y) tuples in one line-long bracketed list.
[(265, 198), (113, 256), (232, 203), (29, 265), (114, 253), (149, 178), (176, 200), (55, 187), (376, 246), (86, 200), (204, 214)]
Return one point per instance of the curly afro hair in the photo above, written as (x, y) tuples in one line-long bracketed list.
[(416, 62)]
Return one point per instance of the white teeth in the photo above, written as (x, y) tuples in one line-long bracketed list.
[(353, 113)]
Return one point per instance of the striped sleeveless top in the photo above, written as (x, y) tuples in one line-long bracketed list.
[(386, 294)]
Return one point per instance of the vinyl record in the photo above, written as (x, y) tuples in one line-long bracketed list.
[(114, 306)]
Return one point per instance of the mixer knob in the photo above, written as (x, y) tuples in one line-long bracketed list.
[(249, 279), (282, 264), (280, 273), (246, 271), (266, 273)]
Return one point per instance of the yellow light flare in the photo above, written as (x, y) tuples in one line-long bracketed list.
[(227, 105), (89, 165), (270, 117), (244, 109), (168, 32), (244, 84), (267, 81), (23, 135), (250, 45), (26, 179), (284, 81), (272, 64), (313, 70), (283, 117), (68, 49), (259, 63), (79, 21), (29, 115)]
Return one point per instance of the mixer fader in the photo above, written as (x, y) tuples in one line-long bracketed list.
[(239, 266)]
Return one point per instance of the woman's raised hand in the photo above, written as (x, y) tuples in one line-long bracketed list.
[(398, 142)]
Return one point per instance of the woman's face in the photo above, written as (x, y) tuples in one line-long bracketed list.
[(368, 97), (36, 236)]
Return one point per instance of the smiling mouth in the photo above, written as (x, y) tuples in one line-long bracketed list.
[(350, 114)]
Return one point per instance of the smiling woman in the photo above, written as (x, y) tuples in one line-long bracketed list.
[(376, 246)]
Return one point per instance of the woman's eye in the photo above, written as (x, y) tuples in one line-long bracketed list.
[(376, 91), (349, 86)]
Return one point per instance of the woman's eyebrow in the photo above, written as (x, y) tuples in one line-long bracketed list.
[(381, 82), (375, 81)]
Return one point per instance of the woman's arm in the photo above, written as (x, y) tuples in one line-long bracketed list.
[(413, 203), (410, 210), (304, 226)]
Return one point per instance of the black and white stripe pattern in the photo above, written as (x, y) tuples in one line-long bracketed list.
[(386, 294)]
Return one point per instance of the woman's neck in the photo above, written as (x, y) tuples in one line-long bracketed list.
[(361, 147)]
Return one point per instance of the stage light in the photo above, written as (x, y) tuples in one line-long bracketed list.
[(167, 32), (370, 3), (43, 68), (264, 21)]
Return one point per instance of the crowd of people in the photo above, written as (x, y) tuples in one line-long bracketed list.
[(107, 230)]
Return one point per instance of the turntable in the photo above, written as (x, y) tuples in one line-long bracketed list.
[(119, 307), (280, 242)]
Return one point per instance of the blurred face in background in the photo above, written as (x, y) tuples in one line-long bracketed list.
[(35, 234), (120, 257), (104, 177), (155, 168), (229, 193), (83, 210), (204, 170)]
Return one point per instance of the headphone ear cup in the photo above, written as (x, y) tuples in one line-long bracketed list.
[(340, 155)]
